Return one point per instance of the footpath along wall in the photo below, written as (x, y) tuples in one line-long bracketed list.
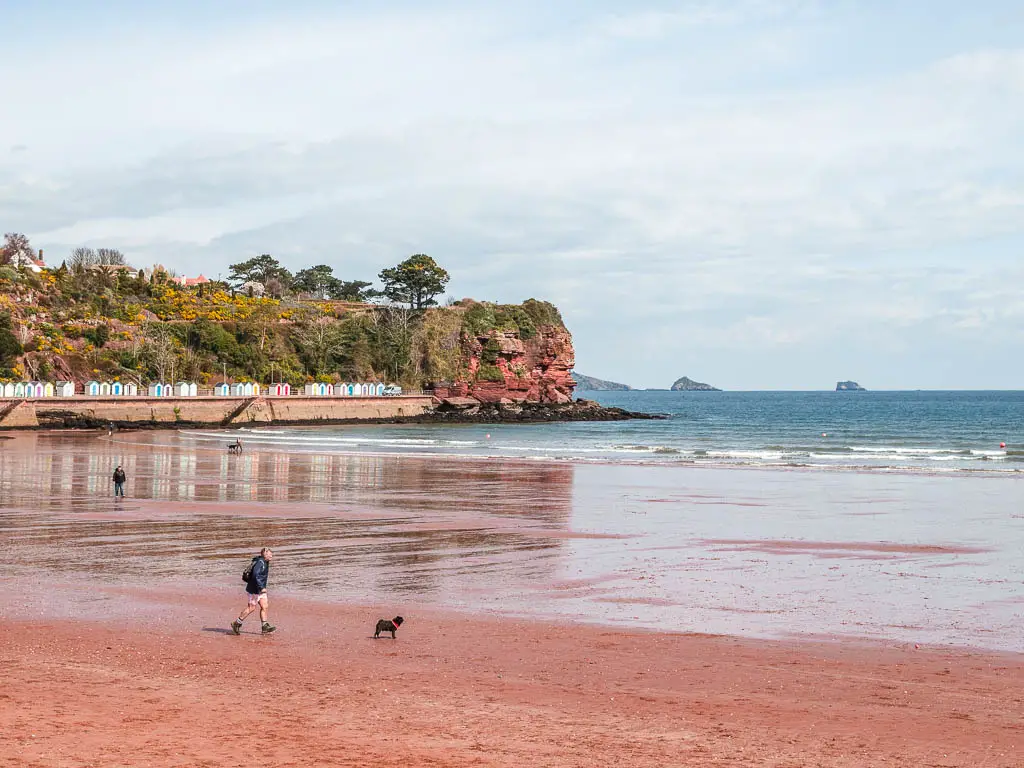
[(203, 411)]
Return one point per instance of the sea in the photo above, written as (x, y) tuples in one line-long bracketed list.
[(926, 431)]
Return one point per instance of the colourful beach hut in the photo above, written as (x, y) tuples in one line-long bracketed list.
[(378, 389), (48, 389), (19, 389), (65, 389), (117, 389), (365, 390), (280, 389), (92, 388), (222, 390), (34, 389)]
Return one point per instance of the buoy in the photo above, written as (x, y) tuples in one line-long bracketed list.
[(824, 434), (1002, 445), (488, 435)]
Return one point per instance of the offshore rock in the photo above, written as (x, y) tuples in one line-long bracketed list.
[(686, 384)]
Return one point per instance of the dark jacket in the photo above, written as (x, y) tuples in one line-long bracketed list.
[(119, 476), (258, 577)]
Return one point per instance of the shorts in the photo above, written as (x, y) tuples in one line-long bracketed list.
[(255, 600)]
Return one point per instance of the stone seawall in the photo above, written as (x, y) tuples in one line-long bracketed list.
[(204, 411)]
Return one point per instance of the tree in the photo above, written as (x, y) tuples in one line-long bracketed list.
[(416, 281), (82, 258), (319, 281), (354, 290), (110, 257), (260, 269), (16, 249), (10, 348)]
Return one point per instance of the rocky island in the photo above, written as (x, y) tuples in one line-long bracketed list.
[(849, 386), (686, 384)]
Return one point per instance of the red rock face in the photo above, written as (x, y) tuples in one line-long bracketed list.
[(534, 370)]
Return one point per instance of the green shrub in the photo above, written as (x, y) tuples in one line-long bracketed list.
[(489, 372)]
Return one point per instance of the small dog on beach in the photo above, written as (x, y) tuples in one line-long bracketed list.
[(386, 625)]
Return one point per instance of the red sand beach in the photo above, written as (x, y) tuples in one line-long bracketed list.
[(533, 633)]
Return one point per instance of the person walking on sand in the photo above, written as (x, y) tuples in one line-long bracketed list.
[(119, 481), (256, 590)]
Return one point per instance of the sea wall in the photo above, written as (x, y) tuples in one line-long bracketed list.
[(204, 411)]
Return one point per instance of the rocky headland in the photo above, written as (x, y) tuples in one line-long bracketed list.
[(590, 384), (686, 384)]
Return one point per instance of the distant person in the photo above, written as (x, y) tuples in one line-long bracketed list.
[(256, 590), (119, 480)]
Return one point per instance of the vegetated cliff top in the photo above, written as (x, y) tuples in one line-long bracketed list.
[(142, 326), (589, 383), (686, 384)]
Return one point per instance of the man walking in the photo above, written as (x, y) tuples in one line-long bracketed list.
[(119, 481), (256, 590)]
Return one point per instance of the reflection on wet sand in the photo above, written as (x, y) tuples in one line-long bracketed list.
[(350, 524)]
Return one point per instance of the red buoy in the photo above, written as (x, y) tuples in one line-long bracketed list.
[(1002, 445)]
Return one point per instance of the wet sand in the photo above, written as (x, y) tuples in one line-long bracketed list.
[(513, 576)]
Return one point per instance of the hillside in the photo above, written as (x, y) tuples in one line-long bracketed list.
[(589, 383), (122, 324)]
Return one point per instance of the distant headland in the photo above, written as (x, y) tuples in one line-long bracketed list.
[(591, 384), (849, 386)]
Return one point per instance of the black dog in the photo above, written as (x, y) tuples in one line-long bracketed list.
[(388, 626)]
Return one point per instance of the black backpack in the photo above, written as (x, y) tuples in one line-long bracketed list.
[(247, 573)]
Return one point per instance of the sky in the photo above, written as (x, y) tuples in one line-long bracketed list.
[(758, 194)]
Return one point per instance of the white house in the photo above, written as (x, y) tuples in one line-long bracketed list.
[(63, 389)]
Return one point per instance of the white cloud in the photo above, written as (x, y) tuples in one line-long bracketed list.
[(624, 183)]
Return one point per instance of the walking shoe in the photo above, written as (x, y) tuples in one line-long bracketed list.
[(236, 627), (268, 627)]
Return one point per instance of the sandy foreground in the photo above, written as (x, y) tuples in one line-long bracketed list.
[(172, 687), (115, 648)]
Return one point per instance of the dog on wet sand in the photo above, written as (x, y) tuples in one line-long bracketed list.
[(388, 625)]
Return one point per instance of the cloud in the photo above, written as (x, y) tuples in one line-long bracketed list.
[(629, 185)]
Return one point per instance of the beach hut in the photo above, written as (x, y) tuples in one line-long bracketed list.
[(317, 389), (117, 389), (156, 389), (65, 389), (48, 389), (104, 389), (339, 390), (185, 389), (280, 389), (350, 390), (34, 389), (9, 389), (222, 390), (378, 389), (365, 389), (19, 389), (92, 388), (131, 390)]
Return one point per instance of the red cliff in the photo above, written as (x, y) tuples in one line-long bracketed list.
[(500, 365)]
